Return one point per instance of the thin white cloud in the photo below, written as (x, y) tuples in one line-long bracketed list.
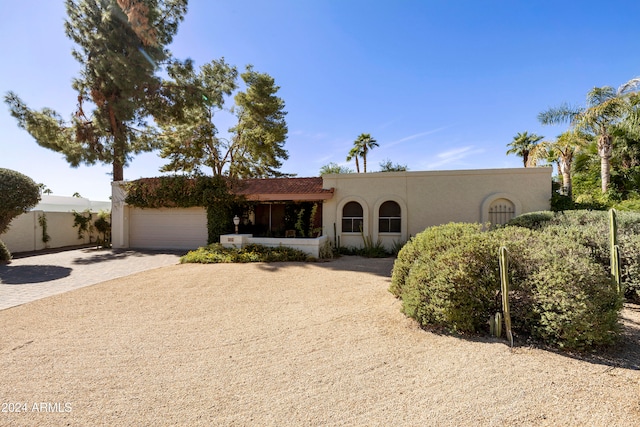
[(452, 156), (414, 136), (307, 135)]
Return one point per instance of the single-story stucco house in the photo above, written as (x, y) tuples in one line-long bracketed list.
[(386, 206)]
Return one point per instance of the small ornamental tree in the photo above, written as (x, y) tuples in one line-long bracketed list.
[(18, 193)]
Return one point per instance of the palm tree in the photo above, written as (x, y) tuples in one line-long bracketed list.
[(605, 108), (522, 145), (561, 151), (361, 147), (353, 154)]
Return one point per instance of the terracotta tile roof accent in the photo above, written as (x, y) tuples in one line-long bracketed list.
[(284, 189)]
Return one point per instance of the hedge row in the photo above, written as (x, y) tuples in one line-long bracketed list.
[(448, 276), (216, 253), (591, 229)]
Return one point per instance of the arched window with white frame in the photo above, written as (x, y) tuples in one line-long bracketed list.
[(352, 218), (389, 217)]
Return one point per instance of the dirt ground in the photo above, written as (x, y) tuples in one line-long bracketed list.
[(292, 344)]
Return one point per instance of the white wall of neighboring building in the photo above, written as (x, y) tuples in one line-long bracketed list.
[(25, 232), (49, 203)]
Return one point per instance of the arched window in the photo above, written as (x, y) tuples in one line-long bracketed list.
[(352, 218), (389, 219), (501, 211)]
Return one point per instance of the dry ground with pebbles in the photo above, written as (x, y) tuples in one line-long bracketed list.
[(319, 344)]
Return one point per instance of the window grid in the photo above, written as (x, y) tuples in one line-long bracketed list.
[(389, 220), (352, 218)]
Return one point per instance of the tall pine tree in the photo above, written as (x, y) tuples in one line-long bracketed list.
[(190, 141), (120, 44)]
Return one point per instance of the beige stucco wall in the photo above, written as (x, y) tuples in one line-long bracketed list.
[(165, 228), (425, 199), (431, 198), (25, 232)]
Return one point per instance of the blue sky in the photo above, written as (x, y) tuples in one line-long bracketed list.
[(440, 84)]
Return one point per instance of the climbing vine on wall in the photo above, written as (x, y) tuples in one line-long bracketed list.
[(213, 193), (42, 220)]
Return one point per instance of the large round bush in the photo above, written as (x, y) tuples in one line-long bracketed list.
[(430, 242), (18, 194), (448, 276), (591, 229)]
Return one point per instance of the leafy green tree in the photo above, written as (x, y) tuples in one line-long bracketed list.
[(605, 108), (190, 140), (258, 138), (120, 44), (188, 135), (361, 146), (387, 166), (18, 194), (522, 145), (561, 151), (334, 168), (627, 132)]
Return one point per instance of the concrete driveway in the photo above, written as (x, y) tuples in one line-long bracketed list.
[(34, 277)]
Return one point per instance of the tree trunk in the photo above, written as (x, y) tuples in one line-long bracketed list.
[(357, 165), (565, 170), (118, 147), (605, 151)]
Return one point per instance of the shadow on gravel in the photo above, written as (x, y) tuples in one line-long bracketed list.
[(105, 255), (378, 266), (23, 274), (625, 354)]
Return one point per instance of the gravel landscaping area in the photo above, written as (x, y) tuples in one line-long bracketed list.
[(287, 344)]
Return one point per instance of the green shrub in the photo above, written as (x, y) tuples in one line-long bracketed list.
[(5, 255), (591, 229), (630, 265), (576, 302), (448, 276), (532, 220), (18, 194), (629, 205), (426, 244), (455, 288), (102, 225), (216, 253)]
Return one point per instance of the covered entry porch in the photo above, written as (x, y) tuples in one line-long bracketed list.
[(284, 207), (284, 212)]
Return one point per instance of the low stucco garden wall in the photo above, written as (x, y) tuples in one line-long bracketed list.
[(311, 246)]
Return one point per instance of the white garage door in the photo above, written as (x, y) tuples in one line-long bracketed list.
[(167, 228)]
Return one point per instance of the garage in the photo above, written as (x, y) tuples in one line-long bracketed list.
[(167, 228)]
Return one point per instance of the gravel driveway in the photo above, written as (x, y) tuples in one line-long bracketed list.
[(41, 275), (291, 344)]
